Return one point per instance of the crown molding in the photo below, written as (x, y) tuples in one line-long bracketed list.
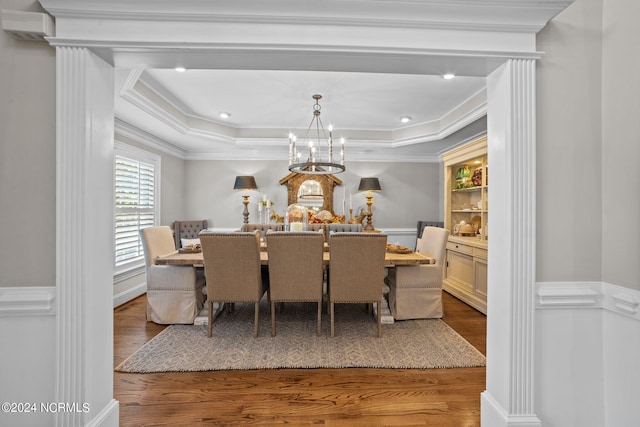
[(29, 26), (138, 135), (478, 15), (150, 98)]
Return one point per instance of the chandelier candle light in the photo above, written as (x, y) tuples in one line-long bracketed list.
[(315, 164)]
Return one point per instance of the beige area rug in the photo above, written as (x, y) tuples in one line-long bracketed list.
[(416, 344)]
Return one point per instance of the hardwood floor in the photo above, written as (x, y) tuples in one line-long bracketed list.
[(331, 397)]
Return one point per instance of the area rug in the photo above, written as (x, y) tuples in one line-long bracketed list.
[(410, 344)]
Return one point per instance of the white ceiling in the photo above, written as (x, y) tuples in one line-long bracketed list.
[(182, 110), (351, 51)]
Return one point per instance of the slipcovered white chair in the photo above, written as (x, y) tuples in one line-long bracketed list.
[(356, 271), (415, 292), (174, 293)]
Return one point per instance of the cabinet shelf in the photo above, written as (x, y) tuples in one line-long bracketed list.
[(469, 189), (466, 268)]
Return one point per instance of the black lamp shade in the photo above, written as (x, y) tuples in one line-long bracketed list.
[(245, 182), (369, 184)]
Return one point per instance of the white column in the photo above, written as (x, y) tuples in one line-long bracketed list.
[(509, 398), (84, 236)]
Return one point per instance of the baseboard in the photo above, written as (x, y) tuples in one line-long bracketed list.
[(108, 416), (28, 301), (129, 294), (493, 415)]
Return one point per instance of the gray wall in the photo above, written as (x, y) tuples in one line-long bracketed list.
[(569, 168), (621, 144), (27, 158), (588, 145), (410, 191)]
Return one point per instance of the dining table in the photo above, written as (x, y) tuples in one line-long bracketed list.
[(392, 259)]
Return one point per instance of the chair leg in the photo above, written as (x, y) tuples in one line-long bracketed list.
[(273, 319), (319, 318), (333, 330), (255, 320), (210, 318), (379, 319)]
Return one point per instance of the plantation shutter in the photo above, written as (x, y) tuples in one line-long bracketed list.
[(134, 206)]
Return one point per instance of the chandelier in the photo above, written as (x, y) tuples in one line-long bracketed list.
[(315, 164)]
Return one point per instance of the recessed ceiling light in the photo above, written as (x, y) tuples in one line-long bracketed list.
[(180, 69), (448, 76), (225, 115), (405, 119)]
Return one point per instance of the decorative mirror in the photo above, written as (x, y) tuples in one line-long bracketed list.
[(315, 192), (310, 195)]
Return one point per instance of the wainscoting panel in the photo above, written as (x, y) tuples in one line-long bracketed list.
[(27, 316), (402, 236), (587, 342)]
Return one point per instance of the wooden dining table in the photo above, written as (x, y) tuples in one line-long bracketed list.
[(391, 259)]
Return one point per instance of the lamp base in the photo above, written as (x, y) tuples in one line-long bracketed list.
[(369, 225), (245, 213)]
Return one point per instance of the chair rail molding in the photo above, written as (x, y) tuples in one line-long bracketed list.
[(580, 295), (28, 301)]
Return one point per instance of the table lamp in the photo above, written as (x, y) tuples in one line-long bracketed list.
[(244, 182), (369, 184)]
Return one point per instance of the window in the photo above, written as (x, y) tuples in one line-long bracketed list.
[(136, 205)]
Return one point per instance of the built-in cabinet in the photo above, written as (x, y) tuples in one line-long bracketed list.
[(466, 190)]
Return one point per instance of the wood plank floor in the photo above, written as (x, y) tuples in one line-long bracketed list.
[(330, 397)]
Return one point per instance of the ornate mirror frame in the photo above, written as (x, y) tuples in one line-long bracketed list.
[(327, 183)]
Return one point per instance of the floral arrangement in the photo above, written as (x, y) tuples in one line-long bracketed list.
[(324, 217)]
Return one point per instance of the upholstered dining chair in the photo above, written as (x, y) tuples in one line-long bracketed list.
[(295, 270), (187, 230), (174, 293), (318, 227), (415, 292), (232, 269), (262, 228), (356, 270), (345, 228)]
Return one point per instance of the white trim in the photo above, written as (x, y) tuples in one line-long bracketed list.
[(84, 231), (108, 416), (577, 295), (30, 26), (568, 294), (28, 301), (129, 294), (493, 415), (510, 301), (125, 129), (129, 273)]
